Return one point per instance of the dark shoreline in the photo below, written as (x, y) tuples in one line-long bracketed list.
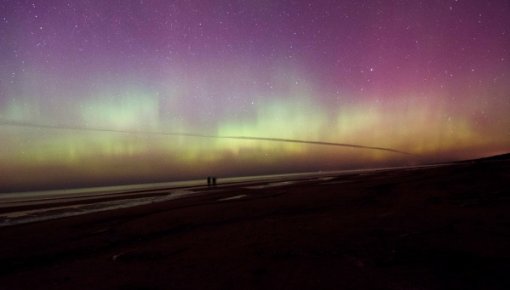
[(430, 228), (35, 200)]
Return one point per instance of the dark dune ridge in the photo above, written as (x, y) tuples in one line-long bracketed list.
[(442, 227)]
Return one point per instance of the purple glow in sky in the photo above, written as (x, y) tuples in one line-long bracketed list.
[(426, 77)]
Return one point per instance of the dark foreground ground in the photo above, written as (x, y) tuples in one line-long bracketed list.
[(434, 228)]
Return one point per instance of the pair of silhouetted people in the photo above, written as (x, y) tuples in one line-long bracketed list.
[(211, 180)]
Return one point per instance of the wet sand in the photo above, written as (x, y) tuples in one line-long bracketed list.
[(431, 228)]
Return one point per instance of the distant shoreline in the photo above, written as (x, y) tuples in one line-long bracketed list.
[(195, 182), (28, 207)]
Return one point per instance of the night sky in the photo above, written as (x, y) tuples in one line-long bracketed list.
[(86, 87)]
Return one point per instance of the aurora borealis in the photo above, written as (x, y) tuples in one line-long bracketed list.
[(427, 77)]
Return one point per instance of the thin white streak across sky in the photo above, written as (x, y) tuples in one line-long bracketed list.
[(251, 138)]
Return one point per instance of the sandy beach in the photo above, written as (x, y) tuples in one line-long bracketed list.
[(445, 227)]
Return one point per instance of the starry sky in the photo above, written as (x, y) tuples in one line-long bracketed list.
[(99, 92)]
